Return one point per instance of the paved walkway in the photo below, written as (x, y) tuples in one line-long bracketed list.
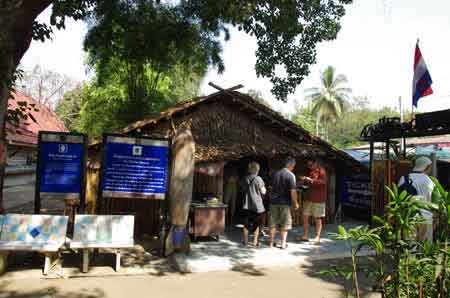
[(16, 196), (266, 283), (228, 254), (20, 199), (207, 255)]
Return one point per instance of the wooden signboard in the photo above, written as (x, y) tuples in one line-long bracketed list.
[(382, 176)]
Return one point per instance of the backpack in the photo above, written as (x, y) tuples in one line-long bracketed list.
[(408, 187)]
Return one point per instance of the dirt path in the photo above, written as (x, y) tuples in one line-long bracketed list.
[(278, 282)]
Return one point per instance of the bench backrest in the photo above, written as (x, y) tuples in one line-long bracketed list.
[(113, 231), (32, 232)]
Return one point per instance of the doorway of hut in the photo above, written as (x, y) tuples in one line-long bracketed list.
[(234, 172)]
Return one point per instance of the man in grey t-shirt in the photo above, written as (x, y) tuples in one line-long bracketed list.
[(284, 195)]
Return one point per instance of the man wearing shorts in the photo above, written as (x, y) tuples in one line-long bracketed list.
[(284, 195), (315, 198)]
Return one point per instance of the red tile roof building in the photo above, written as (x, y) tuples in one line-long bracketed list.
[(26, 133)]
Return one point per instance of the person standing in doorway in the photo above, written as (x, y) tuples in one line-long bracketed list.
[(315, 199), (252, 206), (283, 197)]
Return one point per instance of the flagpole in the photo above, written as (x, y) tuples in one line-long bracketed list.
[(402, 143), (412, 102)]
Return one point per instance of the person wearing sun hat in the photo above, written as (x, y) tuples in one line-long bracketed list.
[(424, 186)]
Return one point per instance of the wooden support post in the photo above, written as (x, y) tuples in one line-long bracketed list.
[(371, 157), (388, 145), (220, 185), (3, 262), (85, 266), (404, 148), (117, 267)]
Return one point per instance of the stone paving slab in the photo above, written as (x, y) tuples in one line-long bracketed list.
[(228, 254), (208, 255)]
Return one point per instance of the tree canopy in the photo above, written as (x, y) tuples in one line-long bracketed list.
[(45, 86), (68, 108), (287, 32)]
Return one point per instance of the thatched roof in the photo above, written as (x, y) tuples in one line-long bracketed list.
[(294, 135)]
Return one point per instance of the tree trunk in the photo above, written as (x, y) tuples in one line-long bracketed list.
[(16, 28), (6, 73), (180, 190)]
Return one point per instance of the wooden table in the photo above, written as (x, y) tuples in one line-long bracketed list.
[(207, 220)]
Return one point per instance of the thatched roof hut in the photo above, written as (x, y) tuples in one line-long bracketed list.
[(231, 127)]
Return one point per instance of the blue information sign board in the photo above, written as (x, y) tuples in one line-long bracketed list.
[(356, 193), (60, 167), (135, 167)]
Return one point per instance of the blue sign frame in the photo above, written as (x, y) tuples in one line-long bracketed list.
[(60, 167), (135, 167), (356, 194)]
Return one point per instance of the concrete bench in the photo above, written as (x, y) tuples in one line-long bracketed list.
[(102, 231), (41, 233)]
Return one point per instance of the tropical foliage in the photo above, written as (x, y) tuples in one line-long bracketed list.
[(304, 117), (68, 108), (329, 100), (345, 131), (403, 266)]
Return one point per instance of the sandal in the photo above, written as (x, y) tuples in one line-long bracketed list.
[(281, 247), (255, 246)]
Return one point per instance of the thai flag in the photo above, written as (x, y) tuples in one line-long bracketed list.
[(422, 79)]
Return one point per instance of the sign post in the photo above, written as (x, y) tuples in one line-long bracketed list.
[(60, 167), (134, 167)]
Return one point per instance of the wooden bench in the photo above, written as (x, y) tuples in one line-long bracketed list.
[(102, 231), (41, 233)]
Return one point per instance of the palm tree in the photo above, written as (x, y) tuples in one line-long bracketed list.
[(328, 101)]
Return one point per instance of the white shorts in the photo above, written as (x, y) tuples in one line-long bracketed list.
[(316, 210)]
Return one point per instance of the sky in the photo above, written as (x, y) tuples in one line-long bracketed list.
[(374, 50)]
